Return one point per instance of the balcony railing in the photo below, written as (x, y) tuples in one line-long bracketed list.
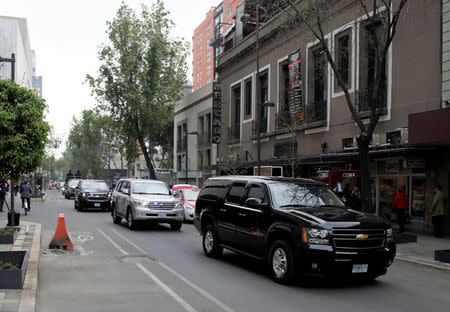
[(234, 132), (365, 99), (314, 112), (285, 120), (263, 126)]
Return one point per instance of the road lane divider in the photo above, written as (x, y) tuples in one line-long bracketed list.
[(166, 288), (203, 292)]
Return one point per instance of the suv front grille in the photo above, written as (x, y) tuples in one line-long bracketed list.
[(161, 205), (358, 238)]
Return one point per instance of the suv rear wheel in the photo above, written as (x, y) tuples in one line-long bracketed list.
[(211, 246), (281, 262)]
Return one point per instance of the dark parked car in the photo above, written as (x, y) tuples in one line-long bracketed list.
[(92, 194), (70, 186), (296, 225)]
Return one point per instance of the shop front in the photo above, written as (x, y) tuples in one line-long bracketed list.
[(408, 173)]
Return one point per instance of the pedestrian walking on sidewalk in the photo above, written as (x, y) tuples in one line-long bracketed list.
[(3, 191), (25, 194), (437, 211), (400, 207), (355, 198)]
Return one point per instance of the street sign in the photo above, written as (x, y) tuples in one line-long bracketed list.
[(295, 85), (216, 112)]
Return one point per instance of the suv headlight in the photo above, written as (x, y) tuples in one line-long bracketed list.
[(316, 236), (83, 194), (389, 237), (179, 205), (140, 203)]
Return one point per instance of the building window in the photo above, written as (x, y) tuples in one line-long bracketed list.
[(208, 157), (343, 57), (228, 11), (368, 66), (316, 109), (285, 149), (234, 131), (208, 127), (248, 98), (179, 162), (348, 143), (263, 97)]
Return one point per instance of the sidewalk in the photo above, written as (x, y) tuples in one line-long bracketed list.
[(29, 238), (422, 252)]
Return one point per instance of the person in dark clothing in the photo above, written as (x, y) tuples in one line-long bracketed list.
[(25, 193), (347, 193), (3, 191), (400, 207), (69, 176), (78, 174), (355, 198)]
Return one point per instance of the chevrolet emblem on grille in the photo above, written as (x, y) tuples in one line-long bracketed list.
[(362, 236)]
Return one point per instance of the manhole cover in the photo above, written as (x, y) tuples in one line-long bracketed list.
[(136, 259)]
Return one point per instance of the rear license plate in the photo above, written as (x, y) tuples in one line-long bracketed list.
[(161, 215), (97, 205), (360, 268)]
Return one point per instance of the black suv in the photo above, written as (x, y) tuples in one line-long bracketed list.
[(91, 194), (296, 225)]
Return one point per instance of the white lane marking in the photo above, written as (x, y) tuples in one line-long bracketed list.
[(200, 290), (181, 277), (130, 242), (113, 243), (177, 298)]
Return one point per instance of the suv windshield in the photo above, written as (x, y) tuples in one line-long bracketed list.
[(285, 195), (95, 186), (191, 195), (73, 183), (150, 188)]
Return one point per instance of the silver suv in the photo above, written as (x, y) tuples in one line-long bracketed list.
[(145, 200)]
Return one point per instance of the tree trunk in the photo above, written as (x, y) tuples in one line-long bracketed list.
[(148, 160), (366, 196)]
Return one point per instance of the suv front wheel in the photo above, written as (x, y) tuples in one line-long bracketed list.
[(211, 246), (281, 262)]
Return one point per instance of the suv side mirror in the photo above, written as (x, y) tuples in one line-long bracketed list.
[(256, 203)]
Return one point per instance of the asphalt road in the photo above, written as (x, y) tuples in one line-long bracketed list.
[(114, 269)]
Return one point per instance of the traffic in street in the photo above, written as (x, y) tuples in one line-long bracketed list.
[(157, 269)]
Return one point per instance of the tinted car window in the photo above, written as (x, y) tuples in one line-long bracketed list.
[(235, 194), (214, 189), (293, 194), (257, 191), (95, 186), (124, 188)]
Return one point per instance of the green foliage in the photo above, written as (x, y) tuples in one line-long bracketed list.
[(23, 128), (86, 145), (7, 231), (140, 78), (8, 266)]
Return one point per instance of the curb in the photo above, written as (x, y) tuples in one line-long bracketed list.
[(28, 297), (437, 265)]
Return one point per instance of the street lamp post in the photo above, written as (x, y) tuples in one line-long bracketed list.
[(186, 146), (12, 60), (246, 18)]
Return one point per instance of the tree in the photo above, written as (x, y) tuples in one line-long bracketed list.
[(141, 76), (381, 24), (24, 131), (87, 145)]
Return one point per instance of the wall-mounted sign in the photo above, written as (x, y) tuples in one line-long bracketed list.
[(216, 112), (392, 165), (415, 163), (295, 85)]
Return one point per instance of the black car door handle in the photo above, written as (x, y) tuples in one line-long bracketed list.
[(240, 214)]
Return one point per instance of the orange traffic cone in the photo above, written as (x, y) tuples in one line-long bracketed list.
[(61, 239)]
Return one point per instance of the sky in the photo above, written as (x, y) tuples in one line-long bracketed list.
[(66, 36)]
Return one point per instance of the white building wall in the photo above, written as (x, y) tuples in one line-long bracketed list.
[(14, 38)]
